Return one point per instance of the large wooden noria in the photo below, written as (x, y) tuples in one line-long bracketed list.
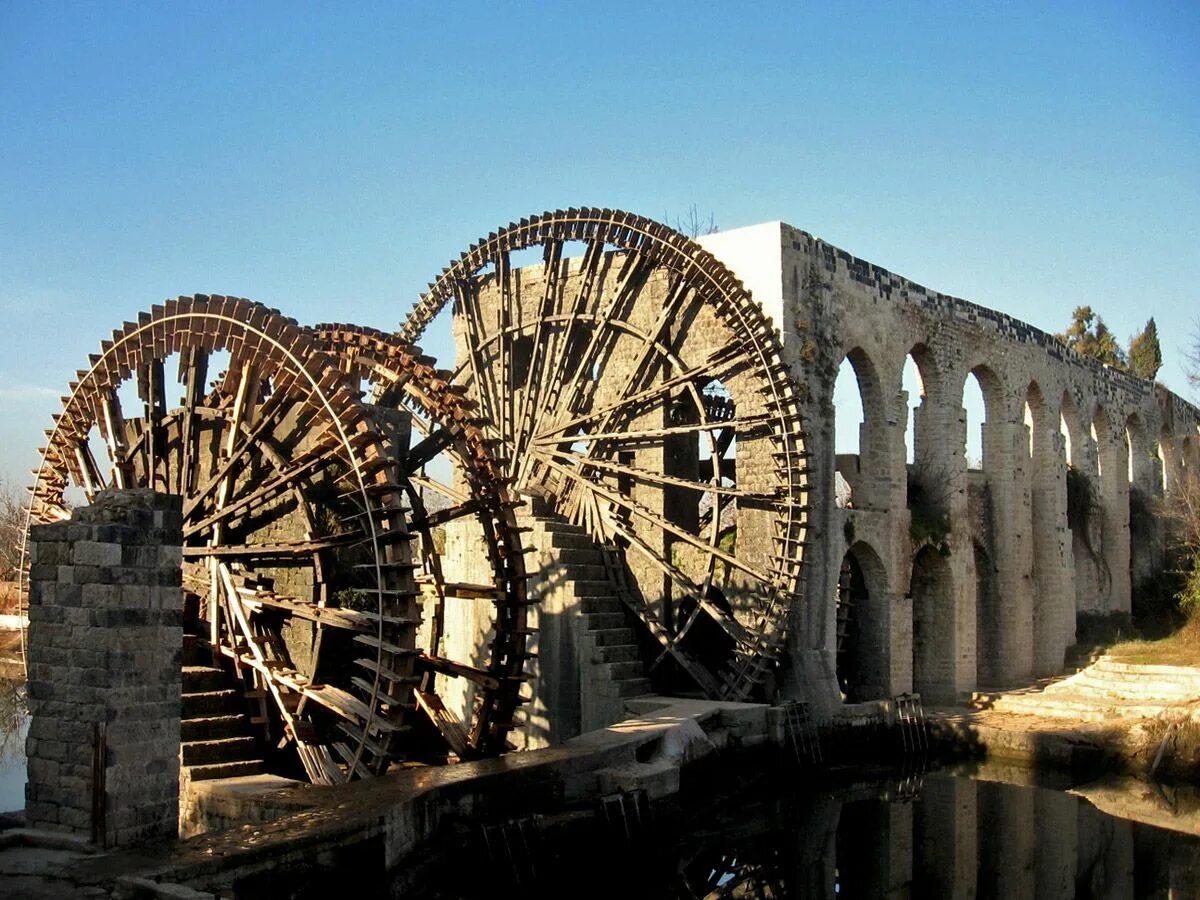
[(308, 549), (632, 388)]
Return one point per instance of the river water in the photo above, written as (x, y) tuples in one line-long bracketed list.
[(14, 724), (933, 835), (775, 832)]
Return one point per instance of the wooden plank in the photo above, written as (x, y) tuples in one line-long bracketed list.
[(444, 720), (456, 669)]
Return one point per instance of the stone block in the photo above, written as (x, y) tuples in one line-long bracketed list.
[(95, 553)]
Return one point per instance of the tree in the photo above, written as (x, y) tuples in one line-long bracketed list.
[(1182, 505), (1089, 336), (1192, 357), (1145, 354), (12, 529), (692, 223)]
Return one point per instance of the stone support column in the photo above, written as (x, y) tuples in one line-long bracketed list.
[(945, 851), (1006, 466), (940, 434), (1051, 552), (1114, 503), (105, 640)]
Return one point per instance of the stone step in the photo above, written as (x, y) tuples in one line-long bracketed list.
[(631, 687), (211, 703), (197, 679), (1087, 709), (196, 652), (569, 540), (226, 770), (607, 637), (1183, 673), (579, 557), (598, 621), (211, 728), (617, 653), (584, 588), (556, 575), (1126, 686), (593, 605), (623, 671), (221, 750)]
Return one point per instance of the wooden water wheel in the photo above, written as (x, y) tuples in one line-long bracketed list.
[(473, 491), (635, 389), (298, 532)]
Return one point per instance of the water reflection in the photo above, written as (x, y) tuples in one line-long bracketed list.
[(14, 723), (956, 837)]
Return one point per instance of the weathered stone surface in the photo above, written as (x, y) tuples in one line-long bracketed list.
[(998, 604), (104, 644)]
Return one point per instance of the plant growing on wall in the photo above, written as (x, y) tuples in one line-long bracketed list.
[(929, 492), (1084, 515), (1181, 507)]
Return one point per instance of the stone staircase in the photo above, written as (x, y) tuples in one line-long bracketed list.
[(606, 635), (1107, 689), (217, 739)]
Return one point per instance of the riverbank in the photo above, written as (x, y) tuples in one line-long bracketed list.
[(1111, 716)]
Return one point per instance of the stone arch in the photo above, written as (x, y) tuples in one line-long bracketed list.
[(1071, 429), (1168, 457), (1146, 548), (931, 589), (861, 471), (1141, 454), (864, 623), (1189, 453), (923, 377), (1037, 419), (991, 389)]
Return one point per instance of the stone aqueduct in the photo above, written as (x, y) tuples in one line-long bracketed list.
[(996, 603), (626, 407)]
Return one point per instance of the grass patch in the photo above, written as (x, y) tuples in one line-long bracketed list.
[(1182, 648)]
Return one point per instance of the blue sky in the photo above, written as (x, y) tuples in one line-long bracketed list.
[(1029, 157)]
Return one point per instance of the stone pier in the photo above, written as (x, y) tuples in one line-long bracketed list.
[(105, 635)]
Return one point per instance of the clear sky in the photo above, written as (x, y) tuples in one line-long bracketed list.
[(1029, 157)]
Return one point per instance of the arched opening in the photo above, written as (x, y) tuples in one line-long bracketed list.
[(863, 648), (1070, 429), (932, 593), (858, 401), (914, 381), (981, 391), (1169, 459), (1146, 562), (988, 622)]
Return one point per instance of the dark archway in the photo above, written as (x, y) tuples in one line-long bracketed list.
[(863, 645), (932, 592)]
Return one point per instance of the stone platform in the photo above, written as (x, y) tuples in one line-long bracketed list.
[(297, 824)]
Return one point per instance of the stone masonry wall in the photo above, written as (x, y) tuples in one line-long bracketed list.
[(105, 637), (831, 306)]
